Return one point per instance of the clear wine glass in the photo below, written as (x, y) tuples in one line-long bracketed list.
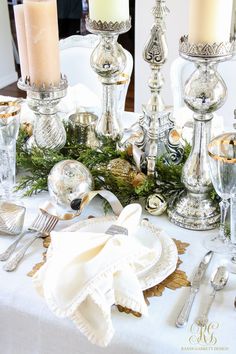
[(222, 159), (231, 262), (9, 128)]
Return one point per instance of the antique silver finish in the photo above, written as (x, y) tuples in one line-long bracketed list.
[(82, 129), (99, 26), (218, 282), (49, 131), (108, 60), (205, 92), (183, 317), (202, 51), (156, 122)]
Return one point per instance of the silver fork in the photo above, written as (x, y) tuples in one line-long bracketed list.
[(43, 225), (36, 226)]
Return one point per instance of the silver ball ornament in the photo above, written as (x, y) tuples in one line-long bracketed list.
[(156, 204), (69, 180)]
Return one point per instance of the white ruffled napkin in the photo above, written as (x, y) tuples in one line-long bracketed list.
[(87, 272)]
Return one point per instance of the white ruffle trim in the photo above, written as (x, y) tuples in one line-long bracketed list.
[(72, 311)]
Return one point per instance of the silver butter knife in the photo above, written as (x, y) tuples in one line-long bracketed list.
[(195, 285)]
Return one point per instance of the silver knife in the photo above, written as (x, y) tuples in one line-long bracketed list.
[(195, 285)]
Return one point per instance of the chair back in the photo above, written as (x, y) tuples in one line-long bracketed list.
[(75, 53)]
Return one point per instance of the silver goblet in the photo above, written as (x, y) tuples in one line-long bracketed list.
[(108, 60), (204, 93)]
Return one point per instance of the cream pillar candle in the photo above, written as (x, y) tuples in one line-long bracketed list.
[(109, 10), (43, 41), (21, 39), (210, 21)]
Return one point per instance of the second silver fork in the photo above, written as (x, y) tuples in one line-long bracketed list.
[(41, 227), (36, 226)]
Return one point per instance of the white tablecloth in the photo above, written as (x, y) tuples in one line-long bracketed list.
[(28, 327)]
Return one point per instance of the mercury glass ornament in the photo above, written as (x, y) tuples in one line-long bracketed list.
[(122, 169), (156, 204), (69, 180)]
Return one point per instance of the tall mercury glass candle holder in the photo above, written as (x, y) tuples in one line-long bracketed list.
[(108, 60), (48, 131), (204, 93)]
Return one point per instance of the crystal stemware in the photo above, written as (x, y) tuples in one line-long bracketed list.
[(231, 262), (9, 128), (222, 159)]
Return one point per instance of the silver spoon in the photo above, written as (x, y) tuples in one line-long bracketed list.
[(218, 282)]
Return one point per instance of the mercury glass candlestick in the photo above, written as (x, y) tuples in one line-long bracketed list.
[(108, 60), (204, 93), (49, 132)]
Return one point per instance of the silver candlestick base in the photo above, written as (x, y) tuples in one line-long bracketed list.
[(205, 92), (49, 132), (108, 60)]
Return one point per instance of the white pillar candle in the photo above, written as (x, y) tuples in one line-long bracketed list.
[(210, 21), (21, 39), (43, 41), (109, 10)]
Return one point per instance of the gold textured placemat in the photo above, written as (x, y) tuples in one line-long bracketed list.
[(175, 281)]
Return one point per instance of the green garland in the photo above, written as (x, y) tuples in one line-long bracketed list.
[(37, 164)]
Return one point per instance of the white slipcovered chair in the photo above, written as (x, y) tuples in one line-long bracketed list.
[(75, 53), (182, 69)]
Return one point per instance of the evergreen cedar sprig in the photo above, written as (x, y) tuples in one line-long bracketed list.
[(38, 163)]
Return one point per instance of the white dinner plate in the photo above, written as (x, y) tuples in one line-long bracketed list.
[(149, 236)]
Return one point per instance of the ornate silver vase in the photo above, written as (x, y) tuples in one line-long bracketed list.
[(204, 93)]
